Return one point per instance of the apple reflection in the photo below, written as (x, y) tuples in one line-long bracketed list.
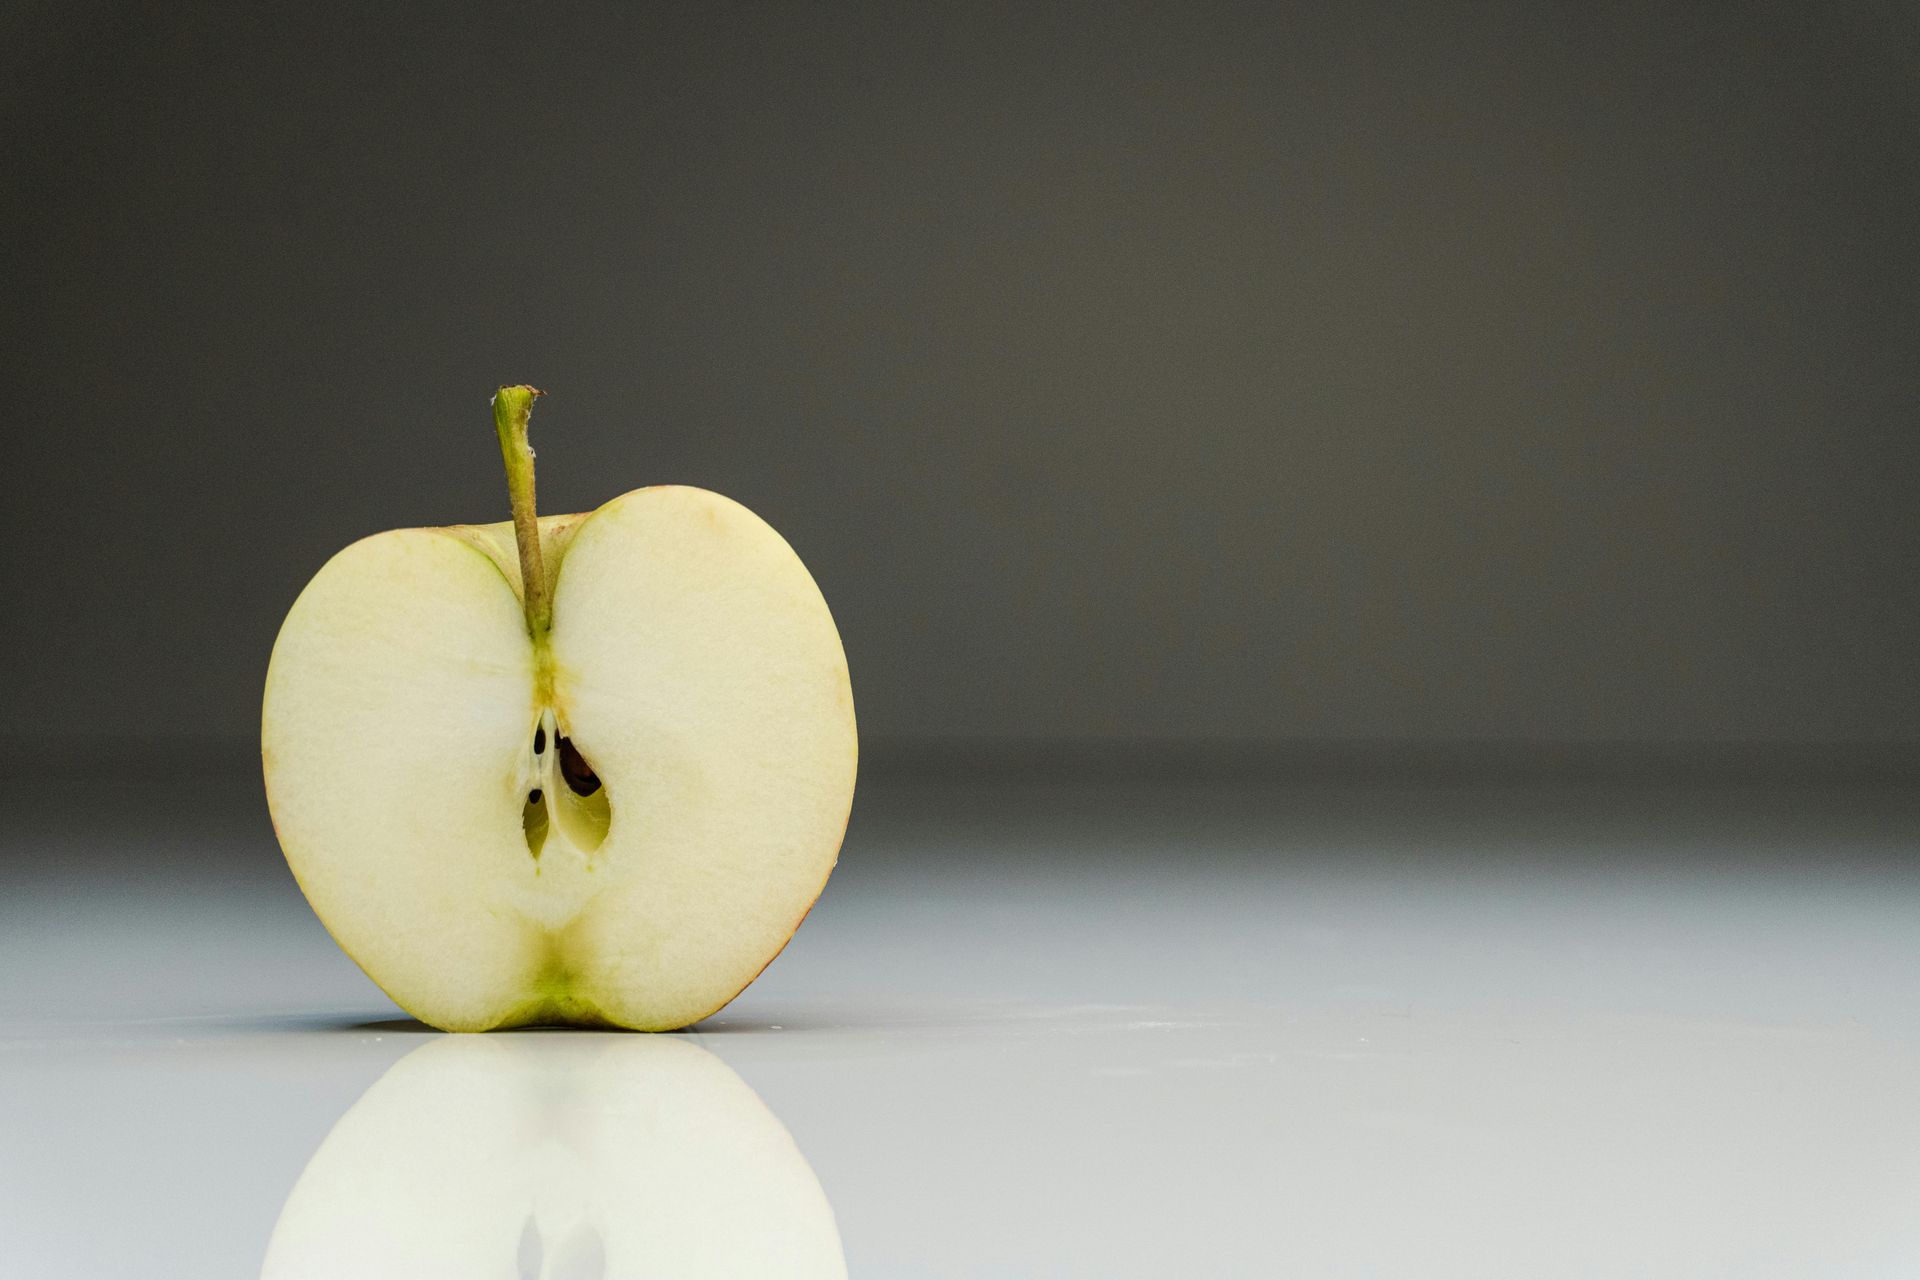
[(556, 1157)]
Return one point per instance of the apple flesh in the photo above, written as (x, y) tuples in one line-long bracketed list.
[(617, 819)]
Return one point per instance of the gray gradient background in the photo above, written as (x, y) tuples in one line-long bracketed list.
[(1123, 374)]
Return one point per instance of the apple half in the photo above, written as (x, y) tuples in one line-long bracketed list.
[(589, 769)]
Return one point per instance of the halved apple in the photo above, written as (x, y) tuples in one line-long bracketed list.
[(587, 769)]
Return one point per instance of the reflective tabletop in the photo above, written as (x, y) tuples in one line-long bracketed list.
[(1115, 1030)]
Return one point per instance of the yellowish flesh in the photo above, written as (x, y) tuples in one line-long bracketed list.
[(697, 669)]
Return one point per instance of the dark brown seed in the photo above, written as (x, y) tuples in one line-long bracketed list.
[(539, 739), (533, 796), (574, 768)]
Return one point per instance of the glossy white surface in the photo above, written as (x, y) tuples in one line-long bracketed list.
[(1336, 1032)]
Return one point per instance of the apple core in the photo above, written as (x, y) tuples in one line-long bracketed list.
[(575, 806)]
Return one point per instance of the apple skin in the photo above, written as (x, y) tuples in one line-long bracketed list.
[(691, 660)]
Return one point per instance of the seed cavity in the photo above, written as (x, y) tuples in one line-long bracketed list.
[(576, 816), (533, 821)]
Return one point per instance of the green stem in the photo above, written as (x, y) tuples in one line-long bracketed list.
[(512, 407)]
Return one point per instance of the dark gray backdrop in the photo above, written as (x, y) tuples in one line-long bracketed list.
[(1419, 371)]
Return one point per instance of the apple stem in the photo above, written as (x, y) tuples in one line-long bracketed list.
[(512, 407)]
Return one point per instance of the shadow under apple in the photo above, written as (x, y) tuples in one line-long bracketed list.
[(551, 1157)]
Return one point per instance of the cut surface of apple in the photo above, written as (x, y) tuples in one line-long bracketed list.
[(614, 815)]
